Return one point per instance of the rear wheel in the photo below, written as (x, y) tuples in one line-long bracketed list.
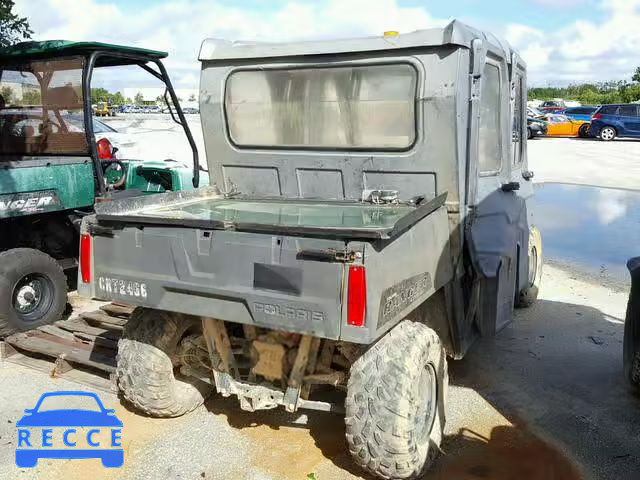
[(395, 407), (584, 131), (147, 358), (33, 290), (529, 294), (608, 133)]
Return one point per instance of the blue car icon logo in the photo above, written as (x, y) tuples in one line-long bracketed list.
[(30, 449)]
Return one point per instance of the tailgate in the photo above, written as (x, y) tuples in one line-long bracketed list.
[(234, 276)]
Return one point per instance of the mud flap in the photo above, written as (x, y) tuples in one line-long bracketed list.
[(632, 325), (499, 226)]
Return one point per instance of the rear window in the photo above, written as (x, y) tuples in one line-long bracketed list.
[(580, 110), (608, 110), (628, 110), (37, 99), (357, 107)]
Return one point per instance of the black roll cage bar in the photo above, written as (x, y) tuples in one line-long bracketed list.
[(163, 76)]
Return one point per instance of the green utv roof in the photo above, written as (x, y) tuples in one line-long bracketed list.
[(58, 48)]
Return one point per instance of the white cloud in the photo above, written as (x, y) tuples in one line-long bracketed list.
[(179, 27), (583, 50), (590, 51)]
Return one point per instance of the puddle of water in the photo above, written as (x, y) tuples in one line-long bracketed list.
[(594, 229)]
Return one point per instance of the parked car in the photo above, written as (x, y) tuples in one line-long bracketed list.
[(535, 127), (611, 121), (583, 113), (563, 126), (553, 106), (536, 113)]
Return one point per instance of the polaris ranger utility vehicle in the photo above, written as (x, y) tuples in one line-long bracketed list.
[(369, 219), (52, 170)]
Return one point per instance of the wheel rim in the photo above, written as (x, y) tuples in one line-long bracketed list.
[(428, 392), (607, 133), (32, 297)]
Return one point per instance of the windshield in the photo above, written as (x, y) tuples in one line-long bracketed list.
[(36, 100)]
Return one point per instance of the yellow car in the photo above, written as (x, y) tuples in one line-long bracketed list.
[(563, 126)]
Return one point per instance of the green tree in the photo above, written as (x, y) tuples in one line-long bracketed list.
[(138, 99), (31, 97), (7, 94), (636, 75), (99, 95), (117, 99), (13, 28)]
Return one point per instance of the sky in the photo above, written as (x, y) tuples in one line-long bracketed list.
[(562, 41)]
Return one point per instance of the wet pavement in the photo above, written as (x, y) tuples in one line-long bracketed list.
[(589, 228)]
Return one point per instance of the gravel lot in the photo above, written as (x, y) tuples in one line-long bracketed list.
[(544, 400)]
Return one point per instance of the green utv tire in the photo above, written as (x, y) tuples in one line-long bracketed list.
[(33, 290)]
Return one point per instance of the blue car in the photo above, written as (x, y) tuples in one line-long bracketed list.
[(103, 417), (611, 121), (583, 113)]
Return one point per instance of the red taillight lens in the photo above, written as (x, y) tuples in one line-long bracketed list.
[(597, 116), (356, 296), (85, 258), (105, 150)]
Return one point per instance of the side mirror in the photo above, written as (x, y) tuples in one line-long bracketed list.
[(29, 410), (109, 411)]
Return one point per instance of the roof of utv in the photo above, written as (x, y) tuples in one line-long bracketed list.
[(59, 48), (456, 33)]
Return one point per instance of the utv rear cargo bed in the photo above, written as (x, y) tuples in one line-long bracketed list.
[(307, 217)]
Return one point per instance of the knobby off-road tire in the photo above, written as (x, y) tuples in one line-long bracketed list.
[(396, 399), (529, 294), (145, 370), (33, 290)]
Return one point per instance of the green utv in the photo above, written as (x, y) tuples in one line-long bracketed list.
[(53, 171)]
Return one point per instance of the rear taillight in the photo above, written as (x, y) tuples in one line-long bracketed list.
[(356, 296), (597, 116), (105, 150), (85, 258)]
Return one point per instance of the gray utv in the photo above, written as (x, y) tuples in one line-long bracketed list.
[(368, 219)]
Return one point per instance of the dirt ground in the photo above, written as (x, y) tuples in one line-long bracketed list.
[(544, 400)]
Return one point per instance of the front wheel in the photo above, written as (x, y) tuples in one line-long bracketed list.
[(607, 134), (529, 294), (395, 406), (33, 290), (530, 134)]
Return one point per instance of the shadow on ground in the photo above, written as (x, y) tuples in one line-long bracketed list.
[(554, 374)]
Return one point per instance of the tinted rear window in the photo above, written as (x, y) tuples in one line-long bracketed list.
[(628, 110), (609, 110), (581, 110)]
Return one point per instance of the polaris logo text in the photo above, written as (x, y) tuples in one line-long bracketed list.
[(290, 313)]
